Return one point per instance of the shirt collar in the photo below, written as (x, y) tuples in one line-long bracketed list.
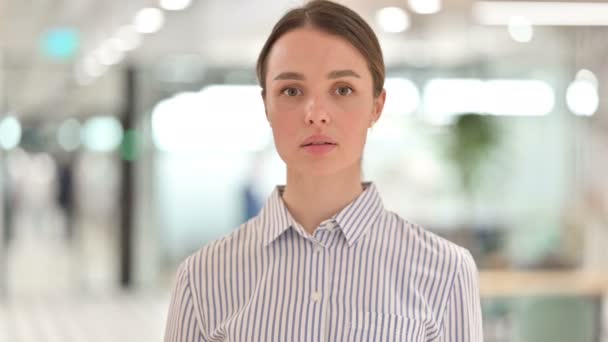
[(353, 220), (274, 218)]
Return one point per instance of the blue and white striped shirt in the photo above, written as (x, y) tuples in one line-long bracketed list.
[(365, 274)]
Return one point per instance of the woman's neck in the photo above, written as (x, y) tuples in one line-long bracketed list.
[(311, 200)]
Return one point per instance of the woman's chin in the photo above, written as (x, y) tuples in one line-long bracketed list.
[(326, 168)]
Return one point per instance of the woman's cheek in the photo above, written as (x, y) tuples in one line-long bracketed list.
[(286, 126), (352, 105), (356, 112), (285, 104)]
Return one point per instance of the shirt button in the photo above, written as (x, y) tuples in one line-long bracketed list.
[(318, 250), (316, 296)]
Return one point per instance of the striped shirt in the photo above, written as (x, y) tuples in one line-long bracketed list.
[(365, 274)]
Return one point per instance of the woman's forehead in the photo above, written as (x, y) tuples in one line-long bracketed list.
[(310, 51)]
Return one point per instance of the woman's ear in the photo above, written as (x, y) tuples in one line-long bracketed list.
[(378, 106)]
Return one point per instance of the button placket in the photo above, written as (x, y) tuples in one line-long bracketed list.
[(317, 291), (315, 295), (327, 287)]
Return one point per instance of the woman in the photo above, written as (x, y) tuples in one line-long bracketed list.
[(324, 260)]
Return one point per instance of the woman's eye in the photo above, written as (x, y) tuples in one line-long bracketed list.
[(344, 91), (291, 91)]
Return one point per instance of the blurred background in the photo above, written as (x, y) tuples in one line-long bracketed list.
[(132, 133)]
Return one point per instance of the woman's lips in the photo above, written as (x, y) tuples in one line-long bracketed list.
[(319, 149), (318, 139), (318, 144)]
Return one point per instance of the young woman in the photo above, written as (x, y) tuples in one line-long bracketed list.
[(324, 260)]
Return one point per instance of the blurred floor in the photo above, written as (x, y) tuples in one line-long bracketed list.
[(120, 317), (41, 261), (67, 291)]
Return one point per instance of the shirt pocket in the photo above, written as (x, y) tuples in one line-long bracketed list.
[(377, 326)]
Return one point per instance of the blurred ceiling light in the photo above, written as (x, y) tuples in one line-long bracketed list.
[(10, 132), (448, 97), (68, 135), (201, 121), (425, 6), (402, 96), (587, 75), (175, 5), (92, 67), (115, 44), (102, 134), (108, 55), (542, 13), (518, 97), (582, 95), (444, 97), (127, 38), (393, 19), (149, 20), (520, 29)]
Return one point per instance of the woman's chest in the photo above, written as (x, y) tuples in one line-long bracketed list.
[(319, 299)]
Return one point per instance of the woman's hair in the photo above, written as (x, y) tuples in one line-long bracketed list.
[(334, 19)]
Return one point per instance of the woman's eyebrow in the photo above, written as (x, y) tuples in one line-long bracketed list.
[(342, 73), (290, 75)]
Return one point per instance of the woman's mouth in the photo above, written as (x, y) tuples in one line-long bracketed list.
[(320, 148), (319, 144)]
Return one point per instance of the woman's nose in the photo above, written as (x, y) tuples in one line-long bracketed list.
[(316, 112)]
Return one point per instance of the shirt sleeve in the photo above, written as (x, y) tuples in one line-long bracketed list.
[(462, 320), (182, 320)]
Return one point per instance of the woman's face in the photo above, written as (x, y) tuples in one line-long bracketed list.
[(318, 84)]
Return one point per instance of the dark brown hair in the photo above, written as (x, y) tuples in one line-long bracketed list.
[(334, 19)]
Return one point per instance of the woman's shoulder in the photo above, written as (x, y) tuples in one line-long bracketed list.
[(431, 245), (241, 240)]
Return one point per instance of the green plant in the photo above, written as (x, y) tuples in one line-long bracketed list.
[(472, 138)]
